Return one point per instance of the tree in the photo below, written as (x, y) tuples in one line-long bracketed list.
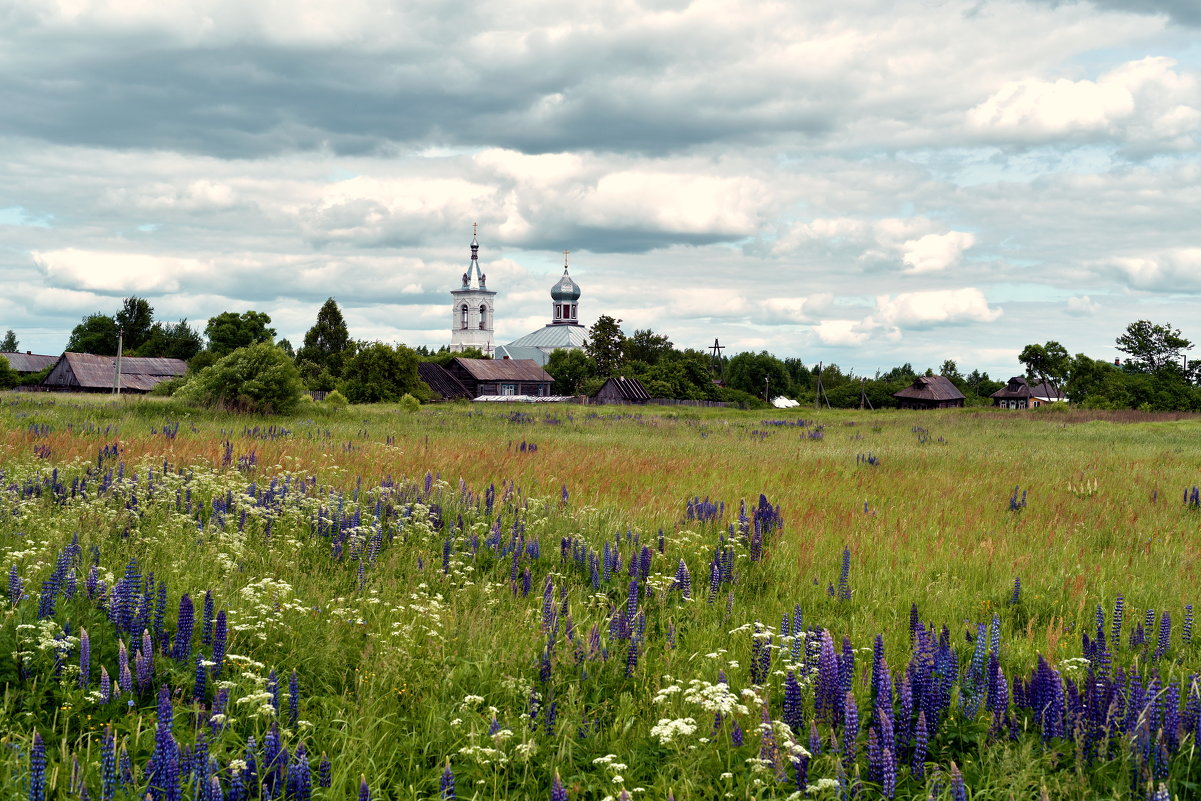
[(325, 343), (1151, 347), (379, 372), (1049, 363), (9, 344), (97, 334), (646, 346), (229, 331), (570, 368), (259, 378), (172, 341), (136, 319), (759, 374), (605, 345), (286, 346), (9, 377)]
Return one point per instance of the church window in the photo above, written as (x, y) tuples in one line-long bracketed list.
[(463, 316), (483, 317)]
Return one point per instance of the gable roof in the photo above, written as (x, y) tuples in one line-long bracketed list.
[(28, 362), (440, 380), (630, 389), (930, 388), (100, 372), (1045, 391), (504, 370), (1017, 388)]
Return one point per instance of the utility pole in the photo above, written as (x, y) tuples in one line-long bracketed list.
[(120, 347), (767, 388)]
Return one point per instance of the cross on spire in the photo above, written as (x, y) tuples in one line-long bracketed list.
[(565, 260), (474, 226)]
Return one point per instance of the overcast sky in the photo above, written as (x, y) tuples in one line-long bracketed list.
[(866, 182)]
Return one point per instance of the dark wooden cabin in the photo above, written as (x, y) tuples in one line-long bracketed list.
[(85, 372), (930, 392), (441, 381), (619, 389), (1018, 394), (501, 377)]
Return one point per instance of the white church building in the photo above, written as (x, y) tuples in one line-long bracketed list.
[(472, 324)]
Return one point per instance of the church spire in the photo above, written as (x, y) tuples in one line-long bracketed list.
[(473, 268), (565, 296)]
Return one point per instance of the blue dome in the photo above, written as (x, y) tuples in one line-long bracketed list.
[(565, 289)]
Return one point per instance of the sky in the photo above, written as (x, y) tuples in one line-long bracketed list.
[(866, 182)]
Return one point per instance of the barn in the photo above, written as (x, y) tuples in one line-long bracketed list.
[(28, 362), (85, 372), (501, 377), (619, 389), (930, 392)]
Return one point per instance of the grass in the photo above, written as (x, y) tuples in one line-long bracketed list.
[(348, 587)]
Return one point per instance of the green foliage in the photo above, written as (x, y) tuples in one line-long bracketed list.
[(316, 377), (757, 373), (9, 344), (1048, 363), (646, 346), (228, 331), (326, 342), (571, 369), (336, 400), (606, 345), (168, 388), (135, 319), (379, 372), (258, 378), (96, 334), (409, 403), (1152, 347), (8, 376), (33, 379), (172, 341), (445, 356)]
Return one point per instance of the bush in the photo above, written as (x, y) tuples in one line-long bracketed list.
[(259, 378), (8, 376), (336, 400), (165, 389), (409, 403)]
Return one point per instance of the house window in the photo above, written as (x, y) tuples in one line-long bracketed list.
[(508, 389), (463, 317), (483, 317)]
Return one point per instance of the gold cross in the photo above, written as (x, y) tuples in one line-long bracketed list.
[(473, 227)]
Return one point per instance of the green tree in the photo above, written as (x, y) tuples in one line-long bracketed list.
[(172, 341), (259, 378), (570, 368), (228, 331), (646, 346), (286, 346), (97, 334), (9, 377), (1151, 347), (136, 320), (606, 345), (9, 344), (1049, 363), (379, 372), (759, 374), (325, 343)]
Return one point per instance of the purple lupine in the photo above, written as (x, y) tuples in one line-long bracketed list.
[(448, 782), (1016, 597), (632, 658), (364, 791), (1165, 635), (850, 729), (827, 679), (37, 769), (794, 713), (85, 658), (684, 580), (557, 791), (106, 686), (15, 586), (273, 689), (844, 576), (1119, 606), (108, 765), (920, 741), (958, 790), (888, 781), (206, 631), (124, 677), (200, 687), (220, 702), (736, 735), (801, 766), (293, 698), (324, 772), (1186, 631), (183, 634), (220, 632), (875, 762), (141, 663), (164, 762), (300, 781)]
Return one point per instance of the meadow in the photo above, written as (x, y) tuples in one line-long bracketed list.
[(565, 602)]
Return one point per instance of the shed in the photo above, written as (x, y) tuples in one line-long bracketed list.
[(501, 377), (441, 381), (86, 372), (930, 392), (619, 389), (28, 362)]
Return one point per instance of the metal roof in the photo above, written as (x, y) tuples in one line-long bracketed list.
[(440, 380), (932, 388), (29, 362), (565, 288), (504, 370), (539, 345), (99, 372), (630, 389)]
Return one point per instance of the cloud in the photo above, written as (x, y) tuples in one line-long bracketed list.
[(840, 333), (1176, 270), (1082, 306), (115, 272), (797, 309), (935, 252), (1138, 100), (916, 310)]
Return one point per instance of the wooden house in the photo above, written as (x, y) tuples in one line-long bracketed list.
[(619, 389), (501, 377), (930, 392), (28, 362), (441, 381), (1018, 394), (85, 372)]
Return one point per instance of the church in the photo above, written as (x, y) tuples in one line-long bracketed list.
[(472, 323)]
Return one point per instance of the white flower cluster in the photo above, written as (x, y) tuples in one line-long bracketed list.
[(668, 729)]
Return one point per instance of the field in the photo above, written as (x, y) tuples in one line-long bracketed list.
[(554, 602)]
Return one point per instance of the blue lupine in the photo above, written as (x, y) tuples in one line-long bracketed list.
[(300, 783), (844, 576), (108, 765), (206, 632), (324, 772), (106, 686), (448, 782), (15, 586), (793, 710), (1016, 597), (37, 769), (1116, 624), (1165, 635), (293, 699), (183, 633), (736, 735), (557, 791), (200, 686), (220, 633), (850, 729), (920, 742), (684, 579), (958, 790), (85, 658), (124, 677)]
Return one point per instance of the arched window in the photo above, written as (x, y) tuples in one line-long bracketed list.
[(483, 317), (463, 316)]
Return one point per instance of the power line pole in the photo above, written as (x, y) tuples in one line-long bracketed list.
[(120, 347)]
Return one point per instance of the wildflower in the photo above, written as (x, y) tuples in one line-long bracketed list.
[(557, 791), (958, 791), (667, 729), (37, 769)]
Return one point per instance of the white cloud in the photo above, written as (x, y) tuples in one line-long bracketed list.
[(115, 272), (840, 333), (1082, 306), (935, 252), (935, 307), (1175, 270), (797, 309)]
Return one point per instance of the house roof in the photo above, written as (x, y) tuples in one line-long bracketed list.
[(29, 362), (1016, 388), (504, 370), (1045, 391), (540, 344), (631, 389), (931, 388), (137, 372), (440, 380)]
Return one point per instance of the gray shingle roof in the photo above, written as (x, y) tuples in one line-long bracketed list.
[(932, 388), (29, 362)]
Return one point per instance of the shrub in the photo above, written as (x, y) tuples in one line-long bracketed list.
[(8, 376), (166, 389), (336, 400), (409, 403), (259, 378)]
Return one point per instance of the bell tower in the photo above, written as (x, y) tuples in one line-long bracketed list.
[(471, 321)]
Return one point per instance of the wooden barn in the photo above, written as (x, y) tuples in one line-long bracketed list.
[(501, 377), (1018, 394), (84, 372), (28, 362), (619, 389), (440, 380), (930, 392)]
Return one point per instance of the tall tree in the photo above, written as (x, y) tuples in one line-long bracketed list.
[(9, 344), (1151, 347), (605, 345), (136, 320), (646, 346), (325, 343), (759, 374), (172, 341), (228, 331), (379, 372), (1049, 363), (570, 368), (97, 334)]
